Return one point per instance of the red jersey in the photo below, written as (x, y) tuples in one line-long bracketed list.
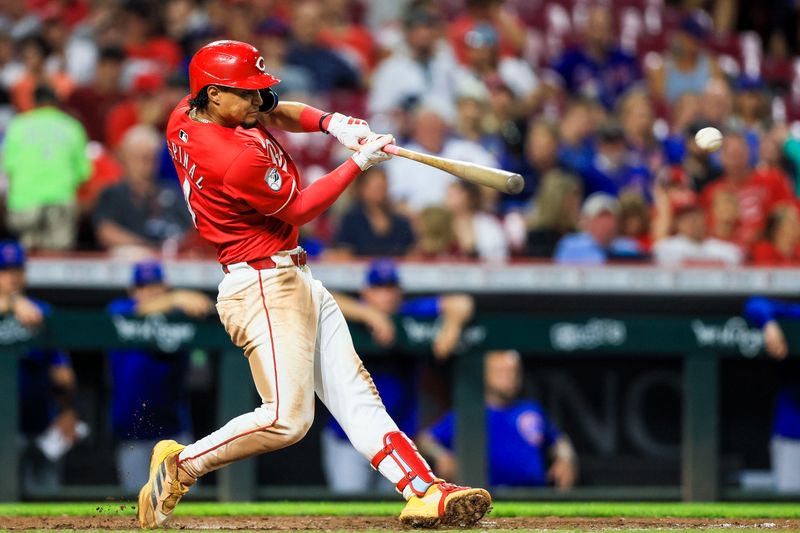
[(234, 180), (756, 197)]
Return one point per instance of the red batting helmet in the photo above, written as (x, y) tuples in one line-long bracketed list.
[(230, 64)]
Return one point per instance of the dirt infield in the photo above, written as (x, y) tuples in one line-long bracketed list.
[(361, 523)]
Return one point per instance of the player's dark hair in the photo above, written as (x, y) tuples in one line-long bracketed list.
[(201, 100)]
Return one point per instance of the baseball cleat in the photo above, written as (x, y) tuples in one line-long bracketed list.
[(445, 504), (166, 486)]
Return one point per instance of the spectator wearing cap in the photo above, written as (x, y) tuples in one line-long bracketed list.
[(556, 214), (149, 397), (423, 67), (91, 103), (34, 52), (597, 68), (272, 39), (521, 439), (781, 243), (47, 380), (509, 28), (328, 68), (612, 170), (751, 110), (371, 227), (140, 215), (380, 303), (478, 234), (598, 242), (687, 65), (757, 192), (414, 187), (691, 243), (484, 63), (44, 156)]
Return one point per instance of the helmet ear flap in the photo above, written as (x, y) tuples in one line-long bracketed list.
[(270, 99)]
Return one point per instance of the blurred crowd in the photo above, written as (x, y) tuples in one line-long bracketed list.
[(595, 103)]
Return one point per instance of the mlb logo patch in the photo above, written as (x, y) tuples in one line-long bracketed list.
[(273, 179), (183, 136)]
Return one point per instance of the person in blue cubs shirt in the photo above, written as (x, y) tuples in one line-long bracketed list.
[(149, 387), (46, 379), (520, 436), (381, 299), (785, 442)]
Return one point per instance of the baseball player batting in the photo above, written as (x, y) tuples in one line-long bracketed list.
[(244, 194)]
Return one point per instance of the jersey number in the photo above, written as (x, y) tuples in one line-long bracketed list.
[(187, 195)]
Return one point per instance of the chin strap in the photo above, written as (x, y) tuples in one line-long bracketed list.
[(416, 473)]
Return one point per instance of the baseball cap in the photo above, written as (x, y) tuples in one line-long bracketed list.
[(481, 36), (750, 83), (682, 205), (694, 26), (610, 132), (12, 255), (383, 273), (420, 16), (147, 273), (598, 203)]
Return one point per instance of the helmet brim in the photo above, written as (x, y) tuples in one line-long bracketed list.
[(256, 81)]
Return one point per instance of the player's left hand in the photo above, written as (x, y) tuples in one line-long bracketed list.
[(348, 130), (562, 473)]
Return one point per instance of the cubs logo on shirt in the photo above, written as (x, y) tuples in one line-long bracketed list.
[(273, 179)]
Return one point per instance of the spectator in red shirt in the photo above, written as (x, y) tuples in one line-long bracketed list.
[(146, 106), (508, 26), (782, 244), (353, 41), (91, 103), (757, 191)]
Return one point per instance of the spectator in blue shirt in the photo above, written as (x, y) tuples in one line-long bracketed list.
[(519, 434), (612, 170), (599, 69), (598, 242), (381, 300), (785, 443), (47, 381), (149, 387)]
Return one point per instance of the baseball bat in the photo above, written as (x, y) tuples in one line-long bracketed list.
[(502, 180)]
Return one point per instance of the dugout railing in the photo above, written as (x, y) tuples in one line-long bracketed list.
[(701, 341)]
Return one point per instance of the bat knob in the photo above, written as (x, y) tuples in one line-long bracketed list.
[(515, 184)]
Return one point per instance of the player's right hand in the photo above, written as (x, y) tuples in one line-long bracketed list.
[(371, 151)]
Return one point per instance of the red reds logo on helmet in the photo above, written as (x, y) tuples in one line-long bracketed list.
[(229, 64)]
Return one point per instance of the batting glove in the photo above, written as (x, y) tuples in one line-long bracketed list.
[(371, 152), (348, 130)]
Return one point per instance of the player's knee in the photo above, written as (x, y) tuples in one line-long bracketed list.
[(297, 427)]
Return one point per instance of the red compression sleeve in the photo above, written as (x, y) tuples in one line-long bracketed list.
[(310, 202), (311, 119)]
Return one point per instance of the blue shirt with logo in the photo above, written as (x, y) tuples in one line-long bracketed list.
[(518, 437), (397, 391), (149, 399)]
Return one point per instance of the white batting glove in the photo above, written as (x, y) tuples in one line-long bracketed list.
[(371, 152), (348, 130)]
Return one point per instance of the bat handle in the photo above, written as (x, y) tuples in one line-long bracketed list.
[(391, 149)]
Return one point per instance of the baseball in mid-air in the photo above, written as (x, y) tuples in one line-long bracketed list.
[(709, 139)]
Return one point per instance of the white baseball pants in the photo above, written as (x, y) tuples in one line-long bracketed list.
[(297, 343)]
